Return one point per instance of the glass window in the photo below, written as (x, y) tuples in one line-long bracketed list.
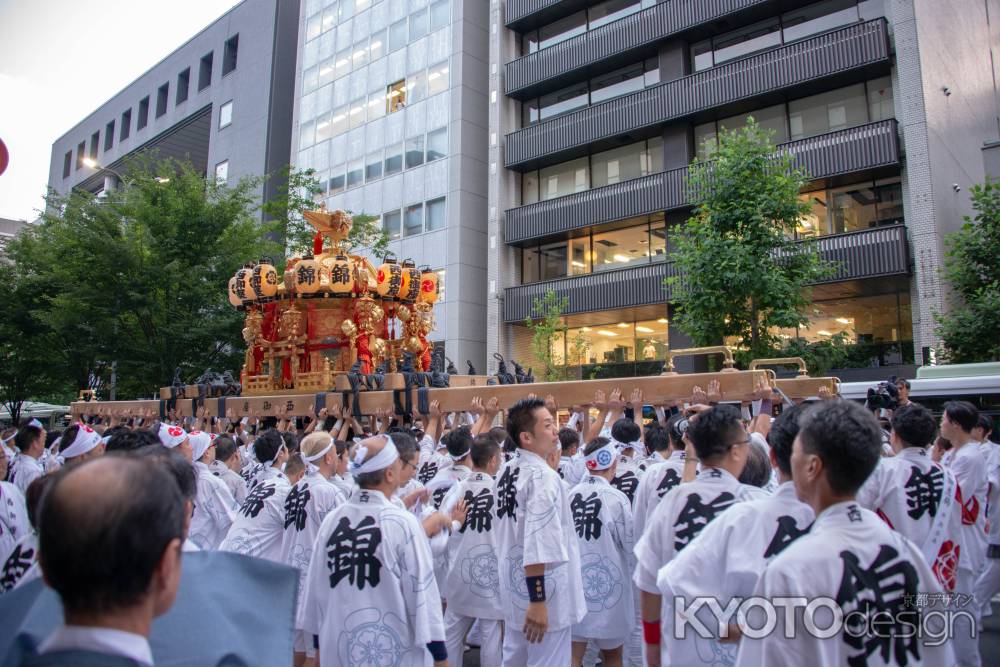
[(612, 10), (326, 72), (701, 55), (706, 140), (748, 40), (397, 35), (868, 319), (563, 101), (654, 155), (393, 159), (437, 144), (313, 26), (620, 82), (852, 208), (373, 166), (579, 256), (310, 79), (436, 214), (553, 260), (376, 48), (621, 248), (391, 223), (652, 76), (529, 112), (226, 114), (771, 118), (619, 164), (816, 221), (529, 42), (359, 56), (395, 98), (651, 339), (416, 87), (323, 128), (338, 121), (414, 151), (563, 29), (657, 238), (329, 18), (355, 173), (437, 78), (612, 343), (440, 16), (818, 17), (357, 112), (418, 24), (889, 202), (829, 111), (376, 105), (564, 179), (307, 135), (880, 102), (413, 220), (529, 187), (338, 179), (342, 64), (222, 172)]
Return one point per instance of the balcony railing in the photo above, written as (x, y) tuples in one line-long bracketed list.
[(865, 254), (523, 14), (842, 152), (616, 39), (854, 47)]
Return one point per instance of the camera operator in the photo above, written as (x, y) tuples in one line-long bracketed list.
[(903, 389)]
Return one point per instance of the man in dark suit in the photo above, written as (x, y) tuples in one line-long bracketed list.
[(110, 534)]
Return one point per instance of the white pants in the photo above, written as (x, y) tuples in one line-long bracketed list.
[(555, 649), (457, 627), (966, 638), (988, 585)]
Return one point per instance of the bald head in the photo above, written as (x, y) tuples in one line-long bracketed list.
[(104, 528)]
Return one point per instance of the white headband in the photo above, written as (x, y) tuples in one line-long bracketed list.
[(270, 462), (601, 459), (200, 442), (171, 436), (459, 457), (11, 437), (36, 424), (86, 439), (385, 458), (622, 446), (311, 468)]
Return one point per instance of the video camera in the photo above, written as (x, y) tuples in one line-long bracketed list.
[(884, 395)]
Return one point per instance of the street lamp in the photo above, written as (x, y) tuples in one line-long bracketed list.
[(94, 164)]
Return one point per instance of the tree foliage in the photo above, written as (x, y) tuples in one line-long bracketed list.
[(740, 273), (547, 331), (971, 268)]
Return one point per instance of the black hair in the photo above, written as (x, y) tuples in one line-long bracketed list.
[(963, 414), (52, 436), (484, 448), (568, 438), (594, 445), (26, 435), (267, 444), (782, 435), (625, 431), (521, 418), (174, 463), (458, 441), (846, 437), (225, 448), (674, 432), (342, 446), (985, 423), (128, 441), (915, 425), (712, 432), (294, 464), (100, 555), (33, 496), (115, 430), (757, 471), (406, 445), (291, 441), (499, 433), (901, 381), (657, 438)]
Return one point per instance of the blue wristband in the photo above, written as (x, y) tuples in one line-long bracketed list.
[(438, 650)]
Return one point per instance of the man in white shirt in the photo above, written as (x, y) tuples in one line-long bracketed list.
[(30, 444), (13, 514), (113, 568), (215, 509), (850, 565), (80, 443), (665, 471), (989, 581), (541, 589), (227, 466)]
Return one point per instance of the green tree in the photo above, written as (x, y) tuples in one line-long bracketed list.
[(547, 331), (740, 273), (139, 276), (971, 268)]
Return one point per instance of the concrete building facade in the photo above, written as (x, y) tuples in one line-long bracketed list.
[(390, 112), (223, 101), (599, 107)]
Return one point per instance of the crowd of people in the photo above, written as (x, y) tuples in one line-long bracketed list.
[(701, 533)]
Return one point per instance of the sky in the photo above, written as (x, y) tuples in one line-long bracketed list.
[(62, 59)]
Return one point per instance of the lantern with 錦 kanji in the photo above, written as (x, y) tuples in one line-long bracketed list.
[(341, 275), (429, 286), (409, 287), (234, 298), (307, 272), (390, 277), (243, 285), (264, 279)]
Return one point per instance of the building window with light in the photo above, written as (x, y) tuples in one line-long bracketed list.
[(395, 96)]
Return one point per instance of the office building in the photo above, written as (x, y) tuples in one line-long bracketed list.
[(598, 109), (223, 101), (390, 112)]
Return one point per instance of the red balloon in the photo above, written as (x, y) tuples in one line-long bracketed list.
[(4, 157)]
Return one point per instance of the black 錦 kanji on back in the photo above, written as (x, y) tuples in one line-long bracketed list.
[(507, 492), (587, 516), (695, 515), (295, 506), (480, 506), (351, 553), (255, 501), (923, 491)]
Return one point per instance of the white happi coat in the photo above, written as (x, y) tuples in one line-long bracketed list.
[(260, 522), (370, 593), (472, 579), (661, 476), (306, 505), (917, 498), (680, 516), (970, 472), (233, 481), (13, 518), (214, 510), (24, 471), (628, 475), (21, 564), (725, 561), (535, 526), (345, 484), (572, 470), (852, 557), (430, 464), (602, 517)]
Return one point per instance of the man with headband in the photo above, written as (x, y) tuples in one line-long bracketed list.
[(30, 444), (602, 517), (79, 443), (216, 507), (308, 502), (371, 579), (541, 590), (175, 437), (260, 522)]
